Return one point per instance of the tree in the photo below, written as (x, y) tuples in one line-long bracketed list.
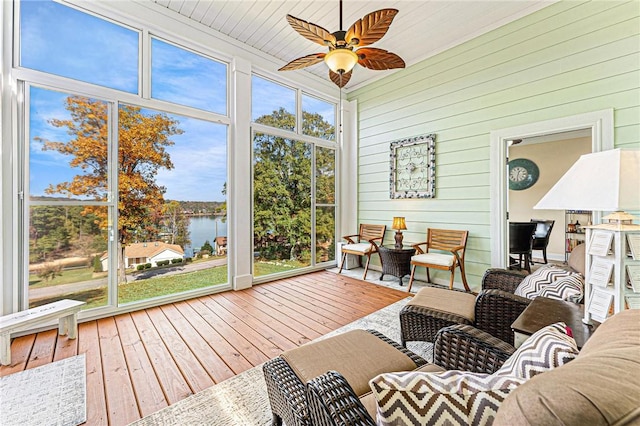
[(176, 224), (207, 247), (142, 141), (282, 187)]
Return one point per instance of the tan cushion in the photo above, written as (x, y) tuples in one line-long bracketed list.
[(357, 355), (620, 331), (369, 402), (576, 258), (599, 387), (358, 248), (443, 300), (433, 259)]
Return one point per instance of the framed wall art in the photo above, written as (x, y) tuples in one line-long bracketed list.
[(413, 167)]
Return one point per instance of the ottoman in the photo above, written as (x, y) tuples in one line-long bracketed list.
[(359, 355), (432, 309)]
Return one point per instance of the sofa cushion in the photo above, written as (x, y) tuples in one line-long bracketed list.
[(532, 284), (599, 387), (358, 355), (569, 288), (547, 348), (369, 402), (451, 397)]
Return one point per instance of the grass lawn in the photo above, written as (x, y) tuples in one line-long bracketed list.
[(68, 276), (151, 287)]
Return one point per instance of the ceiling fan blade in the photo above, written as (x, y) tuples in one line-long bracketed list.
[(339, 80), (371, 28), (311, 31), (303, 62), (378, 59)]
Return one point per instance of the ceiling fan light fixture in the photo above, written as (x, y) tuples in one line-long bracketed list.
[(341, 60)]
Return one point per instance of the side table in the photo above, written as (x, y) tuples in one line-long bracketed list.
[(396, 261), (543, 311)]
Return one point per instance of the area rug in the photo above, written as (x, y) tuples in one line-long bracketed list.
[(242, 400), (54, 394)]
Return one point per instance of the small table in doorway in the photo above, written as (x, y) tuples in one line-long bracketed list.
[(396, 261)]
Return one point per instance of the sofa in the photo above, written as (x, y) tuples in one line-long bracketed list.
[(599, 387)]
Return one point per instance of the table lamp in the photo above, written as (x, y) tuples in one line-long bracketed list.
[(600, 181), (398, 225)]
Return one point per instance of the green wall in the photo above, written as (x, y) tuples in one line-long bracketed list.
[(566, 59)]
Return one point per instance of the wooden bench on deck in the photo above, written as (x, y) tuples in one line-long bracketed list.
[(65, 310)]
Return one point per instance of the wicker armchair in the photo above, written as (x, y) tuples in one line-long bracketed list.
[(332, 402), (287, 392), (496, 305)]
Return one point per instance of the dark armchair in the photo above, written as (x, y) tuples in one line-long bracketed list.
[(541, 236)]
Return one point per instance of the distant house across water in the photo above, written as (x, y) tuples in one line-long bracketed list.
[(151, 252)]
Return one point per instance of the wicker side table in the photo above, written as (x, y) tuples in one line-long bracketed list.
[(396, 262)]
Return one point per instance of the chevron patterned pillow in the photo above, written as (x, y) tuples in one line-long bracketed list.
[(532, 284), (569, 288), (451, 398), (547, 348)]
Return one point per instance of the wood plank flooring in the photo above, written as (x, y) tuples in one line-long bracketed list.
[(140, 362)]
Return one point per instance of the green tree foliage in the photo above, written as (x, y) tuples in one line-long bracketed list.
[(97, 264), (207, 247), (282, 187)]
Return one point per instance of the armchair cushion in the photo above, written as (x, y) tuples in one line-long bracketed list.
[(452, 397), (532, 284), (357, 247), (434, 259), (547, 348)]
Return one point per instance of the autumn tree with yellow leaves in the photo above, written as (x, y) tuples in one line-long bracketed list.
[(143, 139)]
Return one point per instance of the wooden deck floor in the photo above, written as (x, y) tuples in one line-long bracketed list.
[(140, 362)]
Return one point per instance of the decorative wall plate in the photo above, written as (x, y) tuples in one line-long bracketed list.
[(523, 174), (413, 167)]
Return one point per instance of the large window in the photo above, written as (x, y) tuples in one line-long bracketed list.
[(293, 180), (125, 202), (186, 78), (61, 40)]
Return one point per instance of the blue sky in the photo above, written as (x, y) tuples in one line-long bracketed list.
[(63, 41)]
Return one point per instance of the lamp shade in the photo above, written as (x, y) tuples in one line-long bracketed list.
[(607, 180), (341, 60), (398, 223)]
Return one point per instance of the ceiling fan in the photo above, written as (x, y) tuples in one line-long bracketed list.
[(341, 57)]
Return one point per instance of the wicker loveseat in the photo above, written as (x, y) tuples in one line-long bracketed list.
[(599, 387)]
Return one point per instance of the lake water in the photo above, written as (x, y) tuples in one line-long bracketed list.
[(204, 228)]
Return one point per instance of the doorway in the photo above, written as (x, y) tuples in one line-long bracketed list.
[(598, 124)]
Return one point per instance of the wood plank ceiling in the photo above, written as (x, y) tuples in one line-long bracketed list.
[(421, 28)]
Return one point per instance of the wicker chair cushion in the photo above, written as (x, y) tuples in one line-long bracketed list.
[(546, 349), (444, 300), (433, 259), (452, 397), (362, 248), (532, 284), (369, 401), (357, 355), (569, 288)]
